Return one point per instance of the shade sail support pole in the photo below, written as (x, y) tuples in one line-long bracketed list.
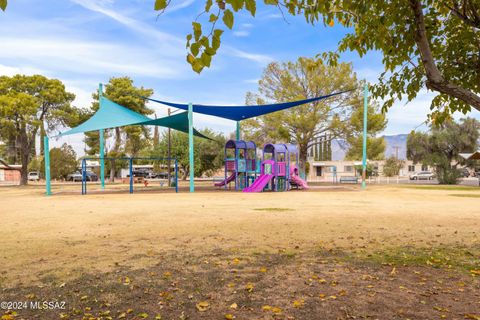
[(102, 142), (102, 157), (46, 152), (365, 119), (190, 147), (238, 131)]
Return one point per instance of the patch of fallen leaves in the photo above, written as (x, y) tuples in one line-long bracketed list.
[(202, 306)]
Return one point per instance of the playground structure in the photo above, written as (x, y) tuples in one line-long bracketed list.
[(160, 163), (240, 164), (278, 170), (112, 115)]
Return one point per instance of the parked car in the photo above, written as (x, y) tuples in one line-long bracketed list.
[(77, 176), (140, 173), (33, 176), (422, 175), (157, 175)]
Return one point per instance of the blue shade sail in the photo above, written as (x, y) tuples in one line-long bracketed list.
[(238, 113)]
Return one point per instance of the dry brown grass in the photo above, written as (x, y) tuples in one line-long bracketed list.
[(65, 237)]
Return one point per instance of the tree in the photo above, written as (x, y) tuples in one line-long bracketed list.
[(392, 166), (441, 147), (208, 153), (122, 91), (425, 43), (63, 161), (30, 105), (376, 122), (302, 79)]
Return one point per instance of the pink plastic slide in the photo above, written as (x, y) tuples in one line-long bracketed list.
[(259, 184), (226, 181), (299, 182)]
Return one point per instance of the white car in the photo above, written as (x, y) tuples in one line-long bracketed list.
[(33, 176), (422, 175)]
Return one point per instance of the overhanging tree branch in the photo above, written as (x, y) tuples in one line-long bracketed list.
[(435, 80)]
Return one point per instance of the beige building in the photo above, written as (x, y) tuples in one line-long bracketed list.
[(324, 171)]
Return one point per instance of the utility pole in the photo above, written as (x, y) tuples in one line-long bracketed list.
[(169, 152)]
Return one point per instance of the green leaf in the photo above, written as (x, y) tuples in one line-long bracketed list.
[(208, 5), (228, 18), (251, 6), (217, 33), (195, 48), (197, 30), (210, 51), (204, 41), (197, 66), (206, 59), (159, 4), (236, 4), (272, 2), (3, 4), (213, 18), (190, 59)]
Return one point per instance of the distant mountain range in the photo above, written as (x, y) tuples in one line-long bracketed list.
[(396, 146)]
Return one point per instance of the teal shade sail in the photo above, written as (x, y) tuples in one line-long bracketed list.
[(112, 115)]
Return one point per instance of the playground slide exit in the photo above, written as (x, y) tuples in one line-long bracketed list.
[(299, 182), (259, 184), (226, 181)]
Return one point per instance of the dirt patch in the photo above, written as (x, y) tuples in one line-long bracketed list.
[(263, 286)]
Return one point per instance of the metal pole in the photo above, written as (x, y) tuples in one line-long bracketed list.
[(169, 152), (84, 176), (46, 152), (131, 174), (238, 131), (176, 175), (102, 142), (190, 147), (365, 114), (102, 158)]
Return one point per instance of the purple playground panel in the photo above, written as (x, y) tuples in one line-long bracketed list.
[(240, 164)]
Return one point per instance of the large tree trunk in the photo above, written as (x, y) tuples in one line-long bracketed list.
[(25, 153), (302, 157), (42, 134), (185, 173), (435, 80), (24, 170), (116, 148)]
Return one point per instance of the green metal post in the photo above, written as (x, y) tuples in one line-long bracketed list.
[(238, 136), (46, 152), (102, 158), (365, 114), (102, 142), (190, 147)]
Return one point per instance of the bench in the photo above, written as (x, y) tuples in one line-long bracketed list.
[(351, 179)]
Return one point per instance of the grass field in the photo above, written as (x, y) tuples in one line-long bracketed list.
[(385, 253)]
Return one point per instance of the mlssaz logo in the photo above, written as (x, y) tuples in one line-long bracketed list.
[(47, 305)]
